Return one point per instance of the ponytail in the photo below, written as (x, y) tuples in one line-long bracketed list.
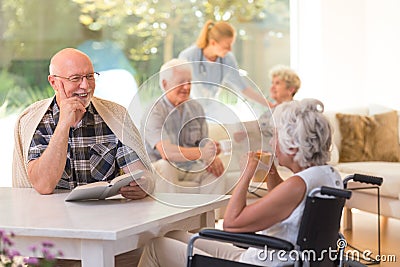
[(214, 30)]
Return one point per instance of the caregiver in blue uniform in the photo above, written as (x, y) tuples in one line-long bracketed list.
[(214, 64)]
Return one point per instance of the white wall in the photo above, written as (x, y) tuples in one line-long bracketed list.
[(383, 51), (347, 51)]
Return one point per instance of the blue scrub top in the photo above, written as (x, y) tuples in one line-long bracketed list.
[(207, 76)]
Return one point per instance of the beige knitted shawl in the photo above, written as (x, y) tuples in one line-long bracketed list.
[(114, 115)]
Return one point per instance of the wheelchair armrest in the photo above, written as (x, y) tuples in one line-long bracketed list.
[(326, 190), (362, 178), (247, 239)]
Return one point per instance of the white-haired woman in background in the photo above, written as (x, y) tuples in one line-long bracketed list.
[(303, 140)]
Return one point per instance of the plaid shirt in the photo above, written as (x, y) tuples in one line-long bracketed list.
[(94, 152)]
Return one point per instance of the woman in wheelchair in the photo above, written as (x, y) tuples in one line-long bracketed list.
[(303, 141)]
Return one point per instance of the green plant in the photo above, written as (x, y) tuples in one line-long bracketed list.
[(16, 94), (12, 258), (20, 99)]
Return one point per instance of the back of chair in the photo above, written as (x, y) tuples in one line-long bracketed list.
[(319, 228)]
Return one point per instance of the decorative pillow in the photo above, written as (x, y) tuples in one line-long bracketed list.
[(369, 138)]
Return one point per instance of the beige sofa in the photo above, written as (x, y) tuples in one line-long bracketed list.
[(378, 154), (365, 200)]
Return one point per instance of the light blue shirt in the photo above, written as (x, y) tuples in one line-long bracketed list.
[(207, 76)]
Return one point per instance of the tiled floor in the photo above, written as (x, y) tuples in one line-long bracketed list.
[(363, 236)]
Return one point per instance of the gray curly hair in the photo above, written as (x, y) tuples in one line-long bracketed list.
[(301, 125)]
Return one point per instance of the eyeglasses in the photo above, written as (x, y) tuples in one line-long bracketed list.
[(78, 78)]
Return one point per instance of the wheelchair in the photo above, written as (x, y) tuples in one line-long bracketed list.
[(318, 234)]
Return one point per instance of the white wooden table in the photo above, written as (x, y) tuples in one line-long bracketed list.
[(95, 231)]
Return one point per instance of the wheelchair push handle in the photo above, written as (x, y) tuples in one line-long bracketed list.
[(363, 178), (330, 191)]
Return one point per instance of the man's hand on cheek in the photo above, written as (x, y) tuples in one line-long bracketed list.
[(71, 109)]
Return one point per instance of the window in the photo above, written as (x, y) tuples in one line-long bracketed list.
[(132, 36)]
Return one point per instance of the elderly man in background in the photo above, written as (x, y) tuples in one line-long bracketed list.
[(176, 136)]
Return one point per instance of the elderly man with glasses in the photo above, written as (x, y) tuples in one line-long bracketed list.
[(74, 138)]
